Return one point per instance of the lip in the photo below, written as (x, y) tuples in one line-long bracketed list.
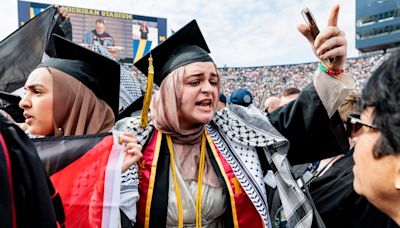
[(28, 118), (205, 108)]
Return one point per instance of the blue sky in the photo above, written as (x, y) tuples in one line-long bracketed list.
[(239, 33)]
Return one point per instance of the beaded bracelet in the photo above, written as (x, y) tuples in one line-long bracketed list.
[(330, 71)]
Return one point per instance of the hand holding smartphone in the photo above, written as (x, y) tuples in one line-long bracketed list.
[(310, 21)]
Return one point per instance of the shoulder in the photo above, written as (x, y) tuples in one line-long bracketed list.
[(131, 124), (246, 127)]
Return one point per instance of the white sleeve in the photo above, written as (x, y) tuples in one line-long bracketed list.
[(332, 91)]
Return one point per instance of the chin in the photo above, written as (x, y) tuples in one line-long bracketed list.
[(205, 119), (357, 188)]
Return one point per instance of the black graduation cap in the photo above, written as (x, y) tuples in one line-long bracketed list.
[(135, 106), (10, 104), (100, 74), (184, 47)]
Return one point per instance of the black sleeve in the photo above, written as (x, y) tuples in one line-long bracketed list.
[(306, 124)]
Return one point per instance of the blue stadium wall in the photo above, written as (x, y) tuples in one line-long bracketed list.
[(377, 24)]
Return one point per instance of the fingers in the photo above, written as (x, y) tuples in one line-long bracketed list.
[(328, 33), (127, 137), (305, 30), (130, 159), (63, 12), (332, 47), (133, 147), (333, 18)]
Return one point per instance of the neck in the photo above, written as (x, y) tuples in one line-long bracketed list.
[(391, 208), (396, 217)]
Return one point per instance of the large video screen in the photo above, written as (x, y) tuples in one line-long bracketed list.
[(128, 37)]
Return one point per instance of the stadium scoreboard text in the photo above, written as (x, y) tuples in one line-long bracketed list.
[(126, 29), (99, 13)]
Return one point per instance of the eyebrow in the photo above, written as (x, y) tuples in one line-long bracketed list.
[(201, 75), (32, 86)]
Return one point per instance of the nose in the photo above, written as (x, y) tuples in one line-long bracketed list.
[(207, 87), (25, 102)]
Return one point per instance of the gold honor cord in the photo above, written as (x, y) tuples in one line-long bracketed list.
[(199, 181)]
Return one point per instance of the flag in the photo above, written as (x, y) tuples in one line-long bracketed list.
[(86, 171), (22, 50)]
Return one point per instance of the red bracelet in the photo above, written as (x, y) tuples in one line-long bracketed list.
[(334, 72), (330, 71)]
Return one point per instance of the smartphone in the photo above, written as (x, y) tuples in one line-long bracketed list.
[(308, 17)]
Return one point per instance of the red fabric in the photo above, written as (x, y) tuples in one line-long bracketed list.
[(9, 172), (145, 165), (81, 186), (247, 214)]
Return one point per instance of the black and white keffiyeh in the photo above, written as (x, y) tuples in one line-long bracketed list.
[(242, 126), (129, 86)]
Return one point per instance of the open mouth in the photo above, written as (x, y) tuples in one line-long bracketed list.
[(204, 103)]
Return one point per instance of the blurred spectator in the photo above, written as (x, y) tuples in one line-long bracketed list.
[(349, 105), (221, 101), (271, 104), (241, 97), (288, 95), (267, 81), (99, 34)]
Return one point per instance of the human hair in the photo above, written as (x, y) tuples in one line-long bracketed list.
[(290, 91), (349, 105), (382, 92), (100, 21)]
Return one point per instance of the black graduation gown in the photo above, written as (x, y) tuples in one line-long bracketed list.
[(339, 205), (312, 135), (31, 187)]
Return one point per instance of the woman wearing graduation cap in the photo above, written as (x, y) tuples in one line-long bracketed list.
[(76, 93), (201, 167)]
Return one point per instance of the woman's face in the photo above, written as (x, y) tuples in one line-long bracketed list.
[(200, 94), (38, 102), (374, 178)]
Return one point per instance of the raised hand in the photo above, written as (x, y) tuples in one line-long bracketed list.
[(330, 43), (63, 12)]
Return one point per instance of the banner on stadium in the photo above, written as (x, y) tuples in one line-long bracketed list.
[(133, 35)]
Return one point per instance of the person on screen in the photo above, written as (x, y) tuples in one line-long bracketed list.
[(99, 34), (144, 30)]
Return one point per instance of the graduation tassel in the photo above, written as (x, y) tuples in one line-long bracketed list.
[(144, 119)]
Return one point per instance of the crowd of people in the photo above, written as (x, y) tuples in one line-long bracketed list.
[(267, 81), (322, 156)]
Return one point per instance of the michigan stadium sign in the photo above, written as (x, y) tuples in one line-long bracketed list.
[(133, 35)]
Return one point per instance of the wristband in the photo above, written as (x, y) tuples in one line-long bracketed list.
[(331, 72)]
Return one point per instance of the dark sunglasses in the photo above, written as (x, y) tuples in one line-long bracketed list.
[(354, 124)]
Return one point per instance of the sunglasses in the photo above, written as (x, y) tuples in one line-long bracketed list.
[(354, 124)]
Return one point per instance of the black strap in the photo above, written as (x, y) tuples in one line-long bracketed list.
[(317, 220)]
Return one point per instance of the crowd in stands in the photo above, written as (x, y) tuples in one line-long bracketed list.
[(266, 81)]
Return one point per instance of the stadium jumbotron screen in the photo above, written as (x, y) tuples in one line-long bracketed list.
[(130, 36)]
